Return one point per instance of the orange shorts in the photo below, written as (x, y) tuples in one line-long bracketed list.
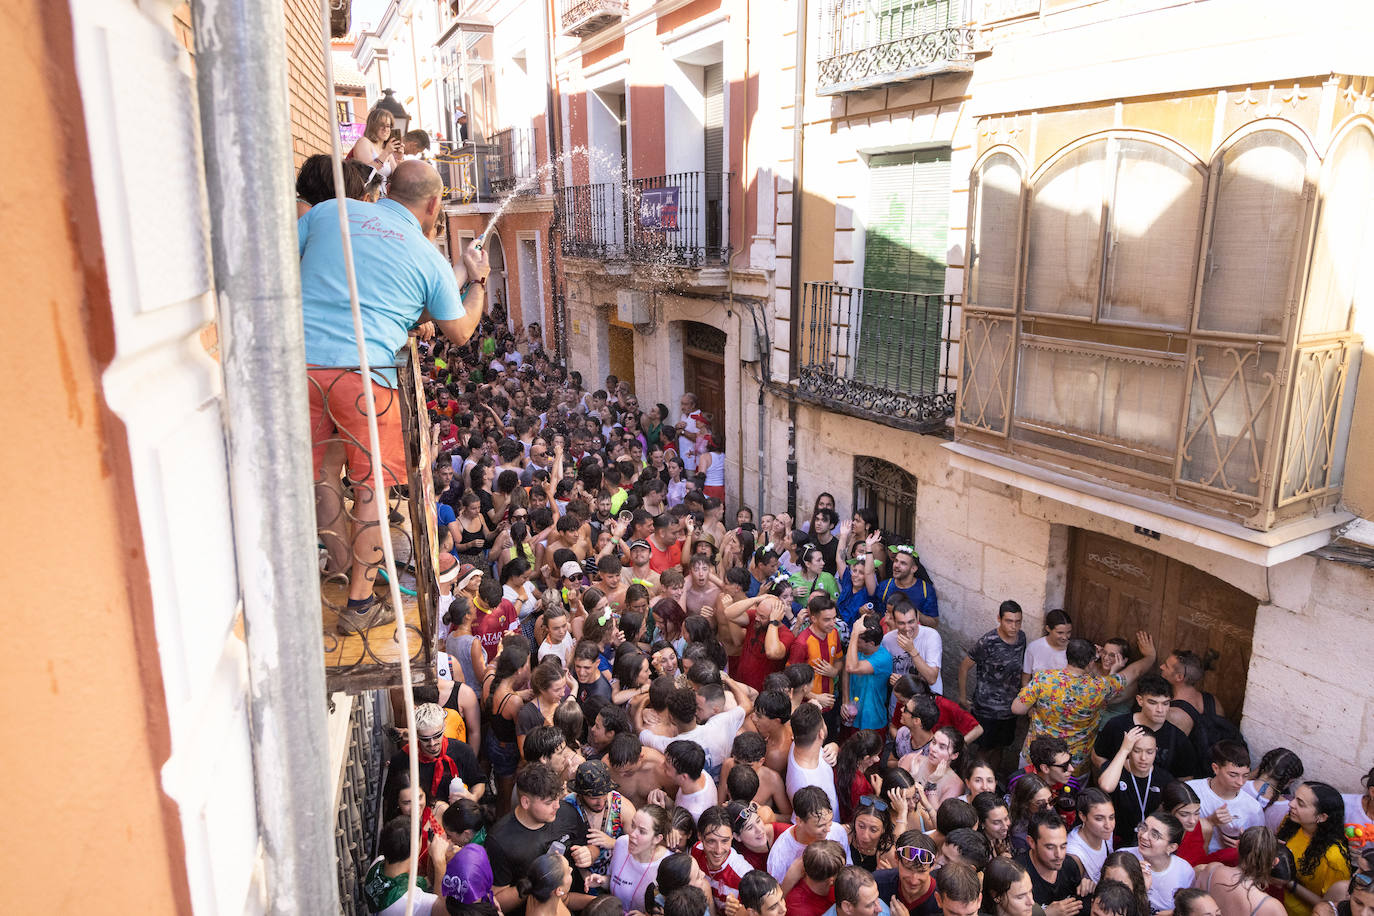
[(338, 413)]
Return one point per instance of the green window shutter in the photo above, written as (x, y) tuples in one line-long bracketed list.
[(905, 242)]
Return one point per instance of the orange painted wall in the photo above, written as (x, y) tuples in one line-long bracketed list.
[(84, 716)]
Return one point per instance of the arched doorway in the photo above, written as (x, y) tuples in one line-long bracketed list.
[(496, 281), (1116, 588), (703, 371)]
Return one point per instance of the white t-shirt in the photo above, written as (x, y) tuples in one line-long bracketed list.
[(699, 801), (1245, 811), (786, 849), (686, 448), (1178, 875), (1041, 656), (1091, 859), (525, 602), (716, 737), (629, 877), (1275, 813), (563, 650), (799, 777), (929, 645)]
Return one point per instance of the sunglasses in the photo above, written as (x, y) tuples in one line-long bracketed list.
[(750, 811), (1363, 879), (915, 855), (872, 801)]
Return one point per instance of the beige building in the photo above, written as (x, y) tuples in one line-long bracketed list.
[(1158, 226)]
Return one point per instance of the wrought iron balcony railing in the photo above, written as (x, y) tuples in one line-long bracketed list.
[(371, 658), (677, 220), (865, 44), (483, 173), (583, 17), (880, 353), (358, 750)]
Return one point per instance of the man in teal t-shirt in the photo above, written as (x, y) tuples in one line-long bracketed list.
[(868, 666), (402, 279)]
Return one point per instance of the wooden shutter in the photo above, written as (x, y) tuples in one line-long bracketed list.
[(1063, 272), (714, 120), (904, 252), (995, 234)]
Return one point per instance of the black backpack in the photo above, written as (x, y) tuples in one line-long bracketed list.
[(1208, 727)]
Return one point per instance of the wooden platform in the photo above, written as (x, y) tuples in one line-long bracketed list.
[(380, 647)]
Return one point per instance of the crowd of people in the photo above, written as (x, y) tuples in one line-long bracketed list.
[(646, 708)]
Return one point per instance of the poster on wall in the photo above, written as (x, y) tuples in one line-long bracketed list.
[(658, 209), (349, 132)]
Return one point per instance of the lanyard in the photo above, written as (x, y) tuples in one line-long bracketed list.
[(1135, 786)]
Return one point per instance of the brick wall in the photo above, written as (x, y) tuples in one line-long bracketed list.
[(311, 112)]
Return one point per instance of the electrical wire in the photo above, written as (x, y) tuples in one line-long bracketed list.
[(379, 501)]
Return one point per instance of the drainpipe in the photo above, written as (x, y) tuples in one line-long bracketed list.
[(554, 123), (241, 83), (794, 293)]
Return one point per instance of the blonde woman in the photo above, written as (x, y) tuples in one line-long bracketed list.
[(375, 147)]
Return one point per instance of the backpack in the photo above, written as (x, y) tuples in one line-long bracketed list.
[(1208, 727)]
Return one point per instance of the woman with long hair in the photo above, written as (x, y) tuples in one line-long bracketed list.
[(1124, 867), (1314, 832), (994, 821), (636, 856), (856, 756), (1007, 890), (502, 706), (1242, 889), (1029, 794), (978, 776), (812, 578), (376, 148), (870, 834), (1179, 799), (937, 770), (549, 682)]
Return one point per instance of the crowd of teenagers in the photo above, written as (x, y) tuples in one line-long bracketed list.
[(643, 708), (646, 708)]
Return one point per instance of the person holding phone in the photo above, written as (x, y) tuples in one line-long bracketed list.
[(380, 145)]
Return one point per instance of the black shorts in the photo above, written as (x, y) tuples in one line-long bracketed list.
[(997, 733)]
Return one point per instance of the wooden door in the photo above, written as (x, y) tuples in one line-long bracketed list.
[(1116, 588), (620, 344), (704, 375)]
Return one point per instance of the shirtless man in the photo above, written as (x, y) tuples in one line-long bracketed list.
[(730, 630), (639, 571), (772, 718), (610, 581), (638, 770), (701, 596), (749, 750)]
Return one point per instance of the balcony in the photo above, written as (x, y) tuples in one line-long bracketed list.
[(583, 17), (372, 659), (676, 220), (486, 173), (865, 44), (878, 354)]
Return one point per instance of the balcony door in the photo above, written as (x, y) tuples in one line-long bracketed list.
[(905, 244), (703, 371), (1116, 588)]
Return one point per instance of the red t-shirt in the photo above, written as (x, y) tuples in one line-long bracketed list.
[(659, 560), (802, 901), (759, 860), (754, 665), (491, 626), (809, 647), (951, 713)]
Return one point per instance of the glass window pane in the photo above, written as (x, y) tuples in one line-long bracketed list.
[(1156, 221), (1129, 401), (1345, 233), (1255, 227), (992, 282), (1063, 273), (1230, 417)]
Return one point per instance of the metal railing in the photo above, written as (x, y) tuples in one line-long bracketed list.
[(485, 173), (677, 220), (357, 789), (371, 658), (882, 353), (582, 17), (863, 44)]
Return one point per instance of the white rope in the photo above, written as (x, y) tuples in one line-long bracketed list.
[(379, 501)]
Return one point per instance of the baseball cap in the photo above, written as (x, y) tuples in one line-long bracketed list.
[(640, 542), (570, 570), (592, 778)]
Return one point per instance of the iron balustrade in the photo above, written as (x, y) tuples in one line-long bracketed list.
[(582, 17), (371, 658), (358, 792), (485, 173), (517, 166), (863, 44), (676, 220), (881, 353)]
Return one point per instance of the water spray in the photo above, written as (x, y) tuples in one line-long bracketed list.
[(479, 243)]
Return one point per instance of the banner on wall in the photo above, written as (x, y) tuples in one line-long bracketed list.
[(349, 132), (658, 209)]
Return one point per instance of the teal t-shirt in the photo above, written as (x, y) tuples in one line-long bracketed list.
[(400, 274)]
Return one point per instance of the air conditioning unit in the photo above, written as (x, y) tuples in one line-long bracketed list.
[(632, 306)]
